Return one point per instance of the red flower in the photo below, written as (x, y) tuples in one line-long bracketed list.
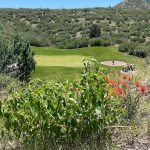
[(143, 89), (119, 91), (112, 82), (116, 90), (121, 82), (138, 84)]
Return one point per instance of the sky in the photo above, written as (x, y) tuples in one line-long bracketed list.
[(53, 4)]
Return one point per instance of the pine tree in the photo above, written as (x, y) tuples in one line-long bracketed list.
[(26, 63)]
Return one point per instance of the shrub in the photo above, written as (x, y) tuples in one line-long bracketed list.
[(57, 113), (130, 92), (7, 85), (127, 46), (140, 51), (95, 42), (105, 43), (76, 43)]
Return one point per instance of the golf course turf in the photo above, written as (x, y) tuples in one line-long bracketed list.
[(68, 63)]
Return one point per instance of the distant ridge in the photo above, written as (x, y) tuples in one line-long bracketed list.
[(134, 4)]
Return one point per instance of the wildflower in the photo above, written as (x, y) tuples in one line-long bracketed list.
[(112, 82), (143, 89), (119, 91), (138, 84), (125, 76), (116, 90), (121, 82), (129, 78)]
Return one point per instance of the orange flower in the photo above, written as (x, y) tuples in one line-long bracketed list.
[(129, 78), (119, 91), (143, 89), (121, 82), (138, 84), (116, 90), (125, 76), (112, 82)]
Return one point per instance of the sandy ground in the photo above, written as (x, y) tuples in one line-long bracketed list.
[(115, 64)]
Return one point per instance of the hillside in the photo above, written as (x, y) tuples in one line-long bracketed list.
[(135, 4), (64, 27)]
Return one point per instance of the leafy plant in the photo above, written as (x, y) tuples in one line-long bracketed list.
[(46, 114)]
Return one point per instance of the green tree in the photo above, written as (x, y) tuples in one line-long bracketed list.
[(26, 63), (6, 54), (16, 58), (95, 31)]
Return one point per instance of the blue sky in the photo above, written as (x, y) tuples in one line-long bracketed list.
[(57, 3)]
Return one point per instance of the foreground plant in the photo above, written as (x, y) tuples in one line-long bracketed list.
[(129, 91), (55, 113)]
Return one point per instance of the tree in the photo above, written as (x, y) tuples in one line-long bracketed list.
[(7, 55), (95, 31), (26, 63), (16, 54)]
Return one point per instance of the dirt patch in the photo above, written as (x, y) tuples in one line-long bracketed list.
[(114, 63)]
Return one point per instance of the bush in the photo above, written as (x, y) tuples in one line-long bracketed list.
[(127, 46), (140, 51), (95, 42), (105, 43), (76, 43), (36, 40), (56, 113), (7, 85)]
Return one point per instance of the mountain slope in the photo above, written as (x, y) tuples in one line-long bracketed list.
[(136, 4)]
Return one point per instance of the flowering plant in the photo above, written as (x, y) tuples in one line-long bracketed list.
[(129, 91)]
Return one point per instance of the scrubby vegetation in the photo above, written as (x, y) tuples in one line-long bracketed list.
[(71, 115), (135, 49), (57, 114), (71, 104), (71, 28)]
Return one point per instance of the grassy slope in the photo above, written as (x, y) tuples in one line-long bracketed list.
[(61, 63)]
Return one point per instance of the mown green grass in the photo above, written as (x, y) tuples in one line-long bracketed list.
[(67, 63), (101, 53), (48, 72)]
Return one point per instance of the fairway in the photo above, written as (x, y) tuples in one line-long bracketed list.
[(67, 61)]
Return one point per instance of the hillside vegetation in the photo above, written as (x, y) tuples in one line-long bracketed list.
[(70, 28)]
